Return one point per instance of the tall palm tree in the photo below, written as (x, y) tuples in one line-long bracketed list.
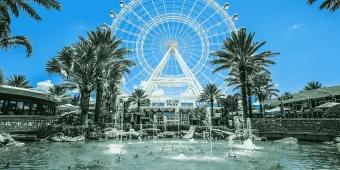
[(240, 55), (9, 8), (331, 5), (18, 81), (76, 64), (211, 94), (313, 85), (59, 92), (107, 52)]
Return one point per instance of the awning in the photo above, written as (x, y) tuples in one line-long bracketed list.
[(68, 107), (327, 105), (276, 109)]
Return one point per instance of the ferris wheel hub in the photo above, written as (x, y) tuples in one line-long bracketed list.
[(172, 44)]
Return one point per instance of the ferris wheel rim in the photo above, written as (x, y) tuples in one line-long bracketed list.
[(227, 20)]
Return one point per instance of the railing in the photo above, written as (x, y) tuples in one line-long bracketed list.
[(24, 123), (331, 126)]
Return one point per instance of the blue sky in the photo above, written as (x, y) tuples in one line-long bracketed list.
[(307, 38)]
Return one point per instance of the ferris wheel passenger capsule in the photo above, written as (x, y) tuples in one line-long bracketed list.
[(226, 6), (113, 14), (122, 4), (235, 17)]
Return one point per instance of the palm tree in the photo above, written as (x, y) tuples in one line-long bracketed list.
[(240, 56), (1, 77), (286, 96), (8, 41), (107, 53), (9, 8), (228, 104), (76, 64), (313, 85), (331, 5), (59, 93), (210, 94), (139, 98), (18, 81), (264, 89)]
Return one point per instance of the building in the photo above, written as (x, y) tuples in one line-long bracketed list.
[(20, 101), (307, 104), (24, 109)]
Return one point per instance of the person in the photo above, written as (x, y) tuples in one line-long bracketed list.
[(7, 165), (136, 156), (279, 165)]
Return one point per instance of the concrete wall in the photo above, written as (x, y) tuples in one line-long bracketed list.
[(303, 129)]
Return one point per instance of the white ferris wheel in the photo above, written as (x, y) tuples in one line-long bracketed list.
[(171, 42)]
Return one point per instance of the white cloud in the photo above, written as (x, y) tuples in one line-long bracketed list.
[(43, 86), (296, 26), (142, 85)]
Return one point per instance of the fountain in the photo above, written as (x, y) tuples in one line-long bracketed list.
[(154, 125)]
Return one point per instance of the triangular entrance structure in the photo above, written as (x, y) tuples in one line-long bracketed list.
[(187, 78)]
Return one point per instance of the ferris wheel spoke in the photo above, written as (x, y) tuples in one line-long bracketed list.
[(215, 25), (127, 32), (131, 23), (201, 12), (207, 78), (192, 8), (158, 16), (181, 13), (217, 73), (208, 18), (219, 34), (167, 23)]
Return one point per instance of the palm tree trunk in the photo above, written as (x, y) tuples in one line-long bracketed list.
[(138, 110), (211, 110), (85, 104), (250, 108), (261, 109), (244, 93), (99, 101)]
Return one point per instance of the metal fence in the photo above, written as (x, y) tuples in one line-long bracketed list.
[(24, 123), (297, 125)]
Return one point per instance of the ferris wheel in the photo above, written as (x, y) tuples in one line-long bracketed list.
[(193, 28)]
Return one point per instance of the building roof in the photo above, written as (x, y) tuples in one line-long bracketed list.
[(25, 92), (307, 95)]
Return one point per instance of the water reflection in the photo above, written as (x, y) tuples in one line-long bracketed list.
[(168, 155)]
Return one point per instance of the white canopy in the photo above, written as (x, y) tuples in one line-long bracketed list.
[(327, 105), (67, 107)]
